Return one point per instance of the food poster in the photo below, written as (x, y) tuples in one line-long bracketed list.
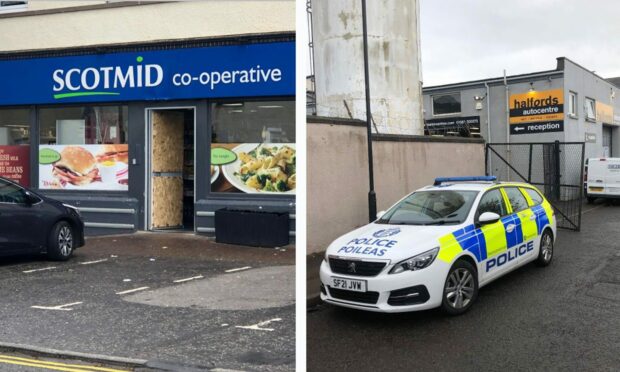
[(15, 164), (254, 168), (84, 167)]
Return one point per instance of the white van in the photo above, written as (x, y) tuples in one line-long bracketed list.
[(602, 178)]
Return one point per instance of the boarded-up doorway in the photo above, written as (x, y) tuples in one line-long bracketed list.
[(171, 167)]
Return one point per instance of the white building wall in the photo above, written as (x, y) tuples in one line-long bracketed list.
[(394, 62), (148, 22)]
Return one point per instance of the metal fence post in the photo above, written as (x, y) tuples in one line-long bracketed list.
[(583, 154), (486, 160), (556, 181), (529, 169)]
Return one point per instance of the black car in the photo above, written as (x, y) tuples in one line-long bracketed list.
[(33, 223)]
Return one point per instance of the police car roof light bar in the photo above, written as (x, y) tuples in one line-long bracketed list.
[(440, 180)]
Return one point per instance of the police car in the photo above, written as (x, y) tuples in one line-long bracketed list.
[(437, 246)]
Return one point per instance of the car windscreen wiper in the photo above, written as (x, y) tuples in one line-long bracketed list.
[(442, 222)]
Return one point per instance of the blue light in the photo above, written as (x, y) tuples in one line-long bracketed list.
[(440, 180)]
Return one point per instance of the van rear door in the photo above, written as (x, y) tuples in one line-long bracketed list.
[(612, 176)]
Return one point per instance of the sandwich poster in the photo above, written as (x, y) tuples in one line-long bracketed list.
[(84, 167)]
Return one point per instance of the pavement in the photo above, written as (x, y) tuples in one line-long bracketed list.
[(562, 317), (168, 300)]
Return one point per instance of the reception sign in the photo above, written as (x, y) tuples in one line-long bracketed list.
[(537, 112), (15, 164)]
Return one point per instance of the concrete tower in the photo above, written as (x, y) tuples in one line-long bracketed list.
[(394, 62)]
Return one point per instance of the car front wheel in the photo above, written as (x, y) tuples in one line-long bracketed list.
[(61, 242), (460, 289)]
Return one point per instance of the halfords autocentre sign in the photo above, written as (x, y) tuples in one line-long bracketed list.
[(537, 112), (266, 69)]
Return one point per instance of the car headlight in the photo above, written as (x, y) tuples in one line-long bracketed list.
[(418, 262), (73, 208)]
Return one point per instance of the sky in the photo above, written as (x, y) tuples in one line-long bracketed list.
[(466, 40)]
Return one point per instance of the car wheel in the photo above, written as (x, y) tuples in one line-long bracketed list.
[(460, 289), (60, 243), (545, 254)]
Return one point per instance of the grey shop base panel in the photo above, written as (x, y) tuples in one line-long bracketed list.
[(205, 212), (103, 215)]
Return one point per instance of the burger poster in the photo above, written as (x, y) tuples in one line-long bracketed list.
[(84, 167)]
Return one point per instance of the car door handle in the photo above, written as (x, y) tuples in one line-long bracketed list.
[(510, 228), (533, 217)]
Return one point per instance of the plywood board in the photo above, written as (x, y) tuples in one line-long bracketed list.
[(167, 207), (167, 142)]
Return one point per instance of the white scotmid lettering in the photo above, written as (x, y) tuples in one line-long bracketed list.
[(106, 76), (68, 79), (121, 80), (96, 78), (139, 76), (148, 82), (57, 76)]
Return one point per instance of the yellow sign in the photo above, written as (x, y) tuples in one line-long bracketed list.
[(537, 112), (604, 113), (536, 106)]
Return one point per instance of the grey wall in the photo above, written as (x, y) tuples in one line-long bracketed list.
[(587, 84)]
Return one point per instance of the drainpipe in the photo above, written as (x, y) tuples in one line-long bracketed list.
[(507, 127), (372, 197), (486, 85)]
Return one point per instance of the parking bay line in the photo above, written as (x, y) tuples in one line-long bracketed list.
[(57, 366), (188, 279), (42, 269), (65, 307), (93, 262), (257, 326), (238, 269), (132, 290)]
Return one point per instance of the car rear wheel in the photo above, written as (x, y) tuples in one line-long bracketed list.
[(460, 289), (545, 254), (61, 242)]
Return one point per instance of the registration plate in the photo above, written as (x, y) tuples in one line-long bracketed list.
[(595, 188), (349, 284)]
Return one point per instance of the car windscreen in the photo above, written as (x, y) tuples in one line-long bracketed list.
[(433, 207)]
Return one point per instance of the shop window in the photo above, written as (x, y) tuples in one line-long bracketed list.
[(12, 6), (447, 104), (590, 109), (83, 148), (572, 104), (253, 147), (15, 145)]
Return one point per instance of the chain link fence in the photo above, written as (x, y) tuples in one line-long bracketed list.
[(555, 168)]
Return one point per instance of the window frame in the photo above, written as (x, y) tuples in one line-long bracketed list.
[(501, 198), (449, 113), (527, 205), (587, 116), (19, 187), (542, 198), (13, 8), (573, 107), (39, 115)]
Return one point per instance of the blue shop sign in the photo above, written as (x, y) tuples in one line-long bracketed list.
[(266, 69)]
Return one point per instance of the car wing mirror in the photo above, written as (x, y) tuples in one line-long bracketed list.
[(488, 218), (30, 199), (380, 214)]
